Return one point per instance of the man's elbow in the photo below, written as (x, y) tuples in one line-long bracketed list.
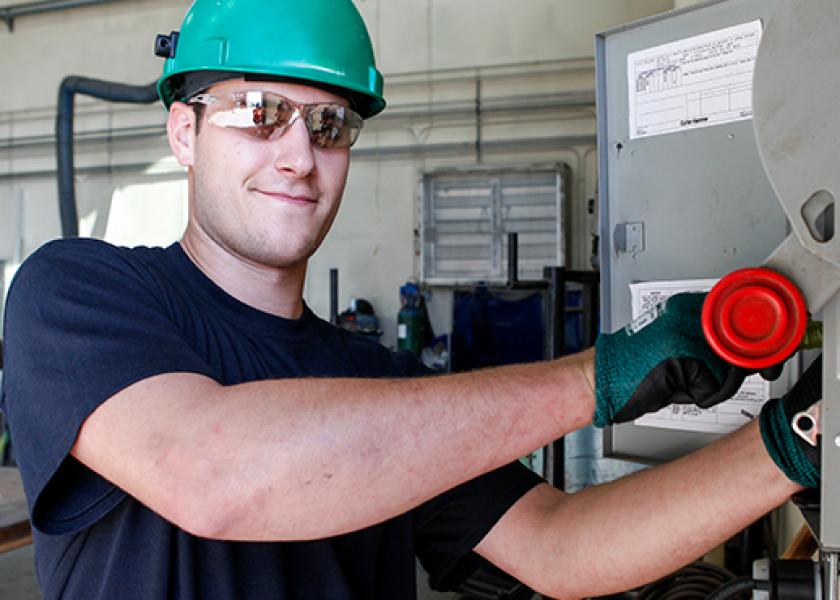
[(234, 516), (198, 498), (555, 590), (199, 521)]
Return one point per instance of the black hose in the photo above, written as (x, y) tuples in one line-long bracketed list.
[(693, 582), (685, 595), (693, 590), (732, 588), (97, 88)]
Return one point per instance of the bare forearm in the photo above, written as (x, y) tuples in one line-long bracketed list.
[(358, 452), (309, 458), (613, 537)]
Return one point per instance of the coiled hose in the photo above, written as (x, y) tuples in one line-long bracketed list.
[(697, 581), (733, 588)]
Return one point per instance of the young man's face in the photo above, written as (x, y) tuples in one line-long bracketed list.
[(268, 202)]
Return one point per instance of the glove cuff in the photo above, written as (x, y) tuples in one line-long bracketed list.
[(784, 447), (605, 380)]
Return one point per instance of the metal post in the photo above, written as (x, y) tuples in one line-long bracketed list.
[(589, 305), (554, 346), (556, 302), (512, 259), (830, 574), (334, 296)]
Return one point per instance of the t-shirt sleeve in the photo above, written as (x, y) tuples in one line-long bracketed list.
[(447, 528), (82, 322)]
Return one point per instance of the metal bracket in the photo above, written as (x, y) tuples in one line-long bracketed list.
[(806, 424), (629, 238), (817, 279)]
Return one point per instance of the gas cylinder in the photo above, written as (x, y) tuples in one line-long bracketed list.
[(412, 320)]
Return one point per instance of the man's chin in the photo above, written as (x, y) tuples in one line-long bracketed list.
[(286, 258)]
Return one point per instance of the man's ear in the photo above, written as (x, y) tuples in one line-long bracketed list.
[(181, 131)]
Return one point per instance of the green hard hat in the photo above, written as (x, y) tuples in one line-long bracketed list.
[(319, 42)]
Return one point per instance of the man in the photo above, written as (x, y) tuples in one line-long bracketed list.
[(187, 428)]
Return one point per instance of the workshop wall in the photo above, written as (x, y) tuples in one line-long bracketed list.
[(439, 57)]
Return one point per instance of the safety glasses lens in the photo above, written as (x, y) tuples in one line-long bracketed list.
[(267, 116), (333, 126)]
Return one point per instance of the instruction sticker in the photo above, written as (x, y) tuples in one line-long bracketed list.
[(726, 416), (692, 83)]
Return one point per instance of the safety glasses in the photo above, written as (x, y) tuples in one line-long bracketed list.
[(267, 116)]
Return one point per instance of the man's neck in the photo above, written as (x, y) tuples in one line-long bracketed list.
[(277, 291)]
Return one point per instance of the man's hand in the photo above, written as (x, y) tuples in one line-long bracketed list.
[(798, 459), (657, 360)]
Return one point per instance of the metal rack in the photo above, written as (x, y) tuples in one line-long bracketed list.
[(554, 286)]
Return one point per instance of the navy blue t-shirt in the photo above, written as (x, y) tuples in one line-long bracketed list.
[(85, 320)]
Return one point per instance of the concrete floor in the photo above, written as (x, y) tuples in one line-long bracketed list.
[(17, 575)]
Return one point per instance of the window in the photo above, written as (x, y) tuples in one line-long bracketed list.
[(467, 214)]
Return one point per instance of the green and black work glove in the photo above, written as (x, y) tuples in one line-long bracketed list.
[(661, 358), (797, 458)]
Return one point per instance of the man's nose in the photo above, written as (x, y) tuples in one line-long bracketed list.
[(294, 149)]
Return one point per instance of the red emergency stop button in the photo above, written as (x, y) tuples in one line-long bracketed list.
[(754, 318)]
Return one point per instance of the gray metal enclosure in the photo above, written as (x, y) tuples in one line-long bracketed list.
[(692, 204), (467, 215)]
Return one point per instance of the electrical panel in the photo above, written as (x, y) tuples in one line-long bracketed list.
[(683, 192)]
